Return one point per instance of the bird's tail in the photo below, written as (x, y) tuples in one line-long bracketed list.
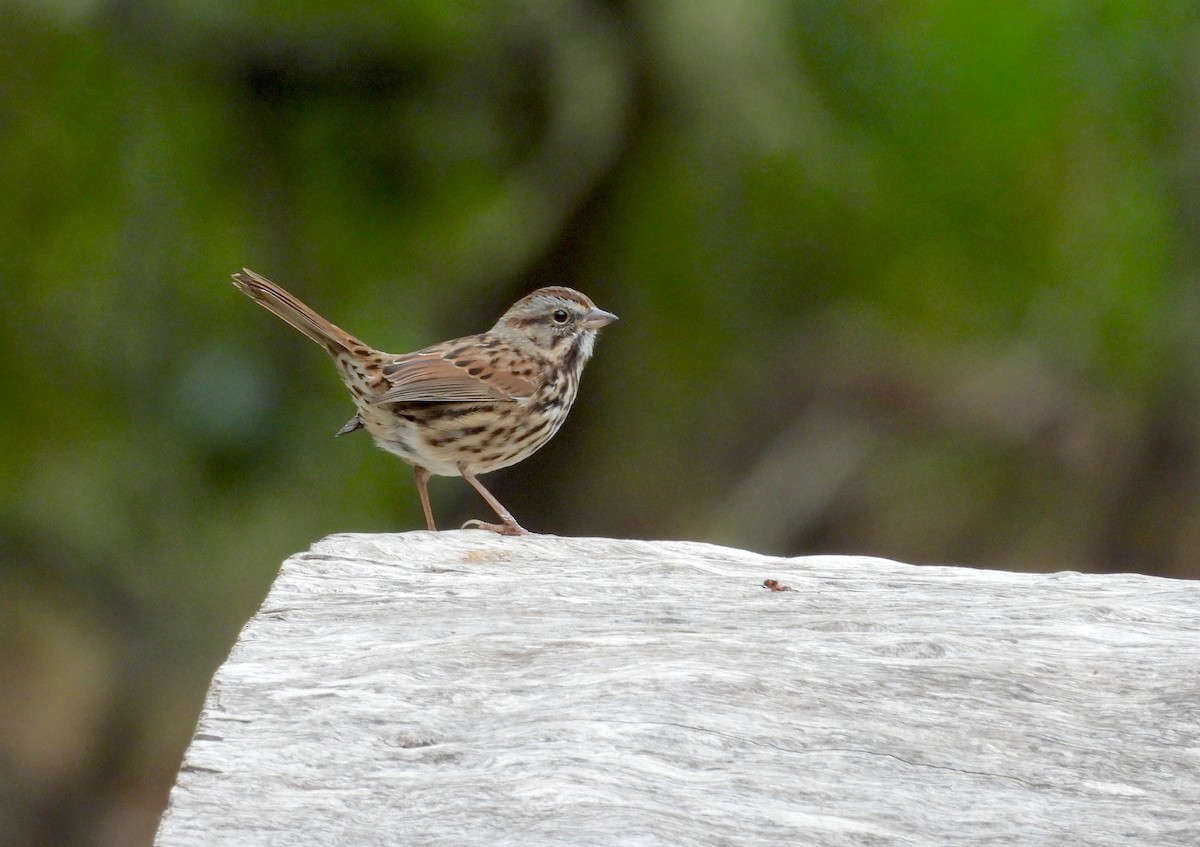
[(273, 298)]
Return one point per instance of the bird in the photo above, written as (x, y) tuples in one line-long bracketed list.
[(463, 407)]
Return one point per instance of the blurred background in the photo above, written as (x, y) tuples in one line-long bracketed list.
[(914, 280)]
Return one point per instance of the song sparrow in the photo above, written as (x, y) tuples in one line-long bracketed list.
[(462, 407)]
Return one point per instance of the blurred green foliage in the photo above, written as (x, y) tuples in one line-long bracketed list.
[(914, 280)]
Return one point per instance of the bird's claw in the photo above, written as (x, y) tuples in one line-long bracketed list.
[(513, 528)]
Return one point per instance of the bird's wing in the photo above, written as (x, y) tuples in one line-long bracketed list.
[(350, 425), (448, 374)]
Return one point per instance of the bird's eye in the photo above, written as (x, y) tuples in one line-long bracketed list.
[(560, 316)]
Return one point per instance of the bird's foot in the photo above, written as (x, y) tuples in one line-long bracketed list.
[(506, 528)]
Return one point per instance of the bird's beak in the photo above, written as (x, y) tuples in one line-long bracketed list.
[(596, 318)]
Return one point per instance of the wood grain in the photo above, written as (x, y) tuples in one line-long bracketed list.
[(460, 688)]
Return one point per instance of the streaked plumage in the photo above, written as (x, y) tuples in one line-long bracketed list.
[(467, 406)]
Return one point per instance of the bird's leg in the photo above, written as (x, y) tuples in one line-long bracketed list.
[(508, 524), (422, 478)]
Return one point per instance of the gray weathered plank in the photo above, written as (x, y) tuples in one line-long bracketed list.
[(465, 689)]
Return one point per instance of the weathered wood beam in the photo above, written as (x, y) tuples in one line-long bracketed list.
[(460, 688)]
